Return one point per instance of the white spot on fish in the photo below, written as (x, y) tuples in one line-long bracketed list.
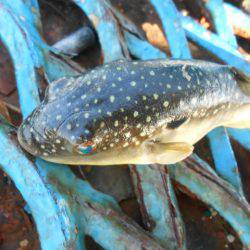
[(58, 117), (168, 86), (112, 98), (102, 125), (82, 97), (136, 114), (215, 111), (144, 98), (165, 104), (142, 133), (156, 96), (58, 141), (196, 113), (133, 83), (116, 123), (69, 126), (128, 134), (86, 115), (148, 119), (128, 98), (179, 87), (152, 73)]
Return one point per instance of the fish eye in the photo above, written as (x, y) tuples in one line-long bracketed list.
[(87, 147)]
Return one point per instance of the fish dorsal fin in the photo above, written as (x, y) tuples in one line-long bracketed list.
[(243, 80)]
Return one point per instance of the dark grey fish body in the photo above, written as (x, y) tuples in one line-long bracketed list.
[(117, 108)]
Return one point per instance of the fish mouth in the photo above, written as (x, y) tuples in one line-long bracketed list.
[(25, 136), (23, 140)]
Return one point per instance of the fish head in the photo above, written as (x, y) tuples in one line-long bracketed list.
[(72, 126)]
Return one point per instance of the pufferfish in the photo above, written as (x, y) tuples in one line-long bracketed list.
[(135, 112)]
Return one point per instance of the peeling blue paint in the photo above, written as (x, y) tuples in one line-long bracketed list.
[(237, 18), (224, 158), (214, 44), (173, 29), (105, 26), (221, 22), (142, 49), (194, 174)]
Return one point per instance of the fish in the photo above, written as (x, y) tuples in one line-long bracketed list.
[(135, 112)]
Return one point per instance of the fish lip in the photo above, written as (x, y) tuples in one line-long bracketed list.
[(24, 143), (21, 141)]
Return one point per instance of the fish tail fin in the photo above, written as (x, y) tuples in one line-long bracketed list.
[(243, 80)]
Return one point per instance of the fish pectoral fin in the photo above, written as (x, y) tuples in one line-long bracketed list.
[(169, 153)]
